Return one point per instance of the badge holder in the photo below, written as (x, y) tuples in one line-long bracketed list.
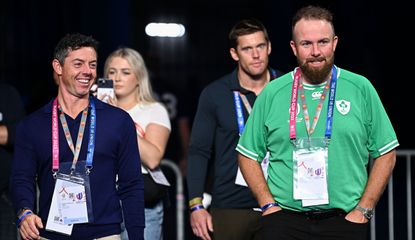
[(80, 175), (71, 200), (310, 158)]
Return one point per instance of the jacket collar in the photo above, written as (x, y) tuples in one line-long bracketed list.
[(236, 86), (48, 107)]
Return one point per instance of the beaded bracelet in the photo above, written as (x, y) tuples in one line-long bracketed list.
[(197, 207), (23, 217), (268, 205)]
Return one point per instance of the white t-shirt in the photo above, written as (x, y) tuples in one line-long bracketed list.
[(144, 114)]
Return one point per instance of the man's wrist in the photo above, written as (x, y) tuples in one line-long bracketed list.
[(269, 205), (22, 211), (22, 214), (197, 207), (195, 201), (367, 212)]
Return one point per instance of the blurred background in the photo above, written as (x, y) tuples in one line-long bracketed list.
[(373, 41)]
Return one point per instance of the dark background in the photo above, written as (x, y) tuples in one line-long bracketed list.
[(374, 41)]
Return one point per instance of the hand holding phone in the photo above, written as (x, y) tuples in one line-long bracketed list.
[(105, 89)]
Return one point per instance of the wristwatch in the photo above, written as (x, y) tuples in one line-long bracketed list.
[(367, 212)]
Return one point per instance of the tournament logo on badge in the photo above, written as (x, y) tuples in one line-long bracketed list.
[(343, 106)]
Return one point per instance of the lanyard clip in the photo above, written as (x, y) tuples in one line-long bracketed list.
[(55, 174), (327, 140), (294, 141), (88, 169)]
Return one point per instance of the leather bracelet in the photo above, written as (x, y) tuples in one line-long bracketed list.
[(24, 215), (269, 205), (197, 207)]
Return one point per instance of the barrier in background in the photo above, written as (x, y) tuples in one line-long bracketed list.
[(408, 155), (179, 197)]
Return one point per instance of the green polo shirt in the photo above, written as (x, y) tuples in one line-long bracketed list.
[(361, 128)]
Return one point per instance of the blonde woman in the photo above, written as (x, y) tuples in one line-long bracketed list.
[(133, 93)]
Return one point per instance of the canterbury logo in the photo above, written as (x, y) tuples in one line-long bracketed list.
[(316, 95)]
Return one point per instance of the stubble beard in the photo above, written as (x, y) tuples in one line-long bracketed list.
[(256, 75)]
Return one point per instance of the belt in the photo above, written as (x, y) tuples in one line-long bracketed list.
[(320, 214)]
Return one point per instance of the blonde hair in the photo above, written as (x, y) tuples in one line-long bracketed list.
[(136, 61)]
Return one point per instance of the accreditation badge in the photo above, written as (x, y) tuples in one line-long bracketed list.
[(71, 200), (54, 222), (158, 176), (310, 157)]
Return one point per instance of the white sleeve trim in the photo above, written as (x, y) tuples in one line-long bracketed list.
[(388, 147)]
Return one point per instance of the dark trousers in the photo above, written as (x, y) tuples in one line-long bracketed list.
[(236, 224), (290, 225)]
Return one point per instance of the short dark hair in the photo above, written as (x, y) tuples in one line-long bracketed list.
[(312, 12), (245, 27), (72, 42)]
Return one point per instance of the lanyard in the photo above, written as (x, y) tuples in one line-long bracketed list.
[(293, 107), (310, 129), (239, 112), (77, 148), (273, 73)]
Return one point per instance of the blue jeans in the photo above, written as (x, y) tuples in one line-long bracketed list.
[(154, 223)]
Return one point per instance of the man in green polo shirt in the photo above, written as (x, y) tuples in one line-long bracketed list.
[(319, 123)]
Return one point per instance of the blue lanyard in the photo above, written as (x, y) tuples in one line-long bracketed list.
[(273, 73), (330, 107), (238, 106), (91, 142), (239, 112)]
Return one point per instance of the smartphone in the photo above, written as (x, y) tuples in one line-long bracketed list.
[(105, 89)]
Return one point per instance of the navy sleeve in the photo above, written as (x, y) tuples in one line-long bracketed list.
[(130, 182), (201, 144), (24, 165)]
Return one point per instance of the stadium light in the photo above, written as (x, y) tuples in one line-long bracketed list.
[(165, 30)]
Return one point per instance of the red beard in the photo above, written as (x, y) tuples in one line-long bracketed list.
[(314, 75)]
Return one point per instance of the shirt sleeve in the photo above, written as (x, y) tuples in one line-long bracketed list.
[(161, 116), (24, 165), (130, 182), (201, 144), (382, 137)]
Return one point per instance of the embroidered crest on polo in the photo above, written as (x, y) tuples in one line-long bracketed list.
[(343, 106)]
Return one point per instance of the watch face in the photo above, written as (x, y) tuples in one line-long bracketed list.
[(369, 213)]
